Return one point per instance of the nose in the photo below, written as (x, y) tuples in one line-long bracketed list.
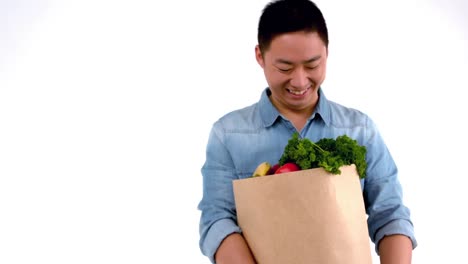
[(299, 79)]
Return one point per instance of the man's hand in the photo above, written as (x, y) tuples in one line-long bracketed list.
[(234, 250), (395, 249)]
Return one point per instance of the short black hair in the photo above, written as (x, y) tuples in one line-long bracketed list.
[(285, 16)]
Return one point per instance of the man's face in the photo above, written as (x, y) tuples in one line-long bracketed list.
[(294, 67)]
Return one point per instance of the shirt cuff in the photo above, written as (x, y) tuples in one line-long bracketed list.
[(217, 233), (395, 227)]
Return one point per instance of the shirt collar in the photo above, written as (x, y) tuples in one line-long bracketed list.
[(270, 114), (323, 108)]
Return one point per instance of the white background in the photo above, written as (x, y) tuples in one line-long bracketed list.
[(106, 106)]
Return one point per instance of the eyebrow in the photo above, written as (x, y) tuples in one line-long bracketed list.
[(304, 62)]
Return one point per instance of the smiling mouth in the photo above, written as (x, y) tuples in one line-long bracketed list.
[(298, 92)]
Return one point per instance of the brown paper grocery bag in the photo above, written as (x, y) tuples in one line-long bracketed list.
[(304, 217)]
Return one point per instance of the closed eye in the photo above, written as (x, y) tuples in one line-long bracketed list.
[(284, 70)]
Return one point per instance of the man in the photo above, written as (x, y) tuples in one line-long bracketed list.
[(292, 50)]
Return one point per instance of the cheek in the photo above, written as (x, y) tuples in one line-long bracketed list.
[(276, 78), (323, 70), (318, 75)]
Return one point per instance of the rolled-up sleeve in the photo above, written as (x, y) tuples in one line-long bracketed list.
[(395, 227), (217, 206), (387, 214), (215, 235)]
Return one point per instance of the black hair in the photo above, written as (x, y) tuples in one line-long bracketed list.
[(285, 16)]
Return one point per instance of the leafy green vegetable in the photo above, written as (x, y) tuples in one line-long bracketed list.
[(326, 153)]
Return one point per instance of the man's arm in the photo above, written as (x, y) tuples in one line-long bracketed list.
[(395, 249), (389, 221), (234, 249)]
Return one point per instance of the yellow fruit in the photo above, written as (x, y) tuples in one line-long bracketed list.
[(262, 169)]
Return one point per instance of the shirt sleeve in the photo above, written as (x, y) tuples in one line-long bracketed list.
[(383, 194), (395, 227), (217, 206)]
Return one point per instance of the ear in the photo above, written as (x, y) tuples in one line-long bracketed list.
[(259, 57)]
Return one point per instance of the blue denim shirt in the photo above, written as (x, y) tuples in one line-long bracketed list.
[(242, 139)]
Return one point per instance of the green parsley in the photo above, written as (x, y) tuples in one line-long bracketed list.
[(326, 153)]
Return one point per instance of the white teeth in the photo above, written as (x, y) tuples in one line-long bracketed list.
[(298, 92)]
